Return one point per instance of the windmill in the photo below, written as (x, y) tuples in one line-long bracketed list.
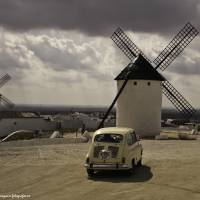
[(164, 59), (3, 100)]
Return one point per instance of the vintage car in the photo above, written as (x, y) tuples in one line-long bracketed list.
[(115, 148)]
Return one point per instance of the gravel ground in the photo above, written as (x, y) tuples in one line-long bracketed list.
[(170, 171)]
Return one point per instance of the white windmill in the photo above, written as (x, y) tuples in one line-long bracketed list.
[(139, 103)]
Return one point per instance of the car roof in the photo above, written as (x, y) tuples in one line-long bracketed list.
[(117, 130)]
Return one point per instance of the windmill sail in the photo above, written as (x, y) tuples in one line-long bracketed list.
[(182, 105), (5, 101), (4, 79), (176, 46), (126, 45)]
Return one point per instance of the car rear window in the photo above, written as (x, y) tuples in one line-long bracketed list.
[(111, 138)]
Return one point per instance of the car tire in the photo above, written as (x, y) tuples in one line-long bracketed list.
[(90, 172), (133, 165)]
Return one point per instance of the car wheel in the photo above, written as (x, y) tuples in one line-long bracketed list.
[(90, 172), (133, 165)]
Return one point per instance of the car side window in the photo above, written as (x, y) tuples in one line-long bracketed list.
[(134, 137), (129, 139)]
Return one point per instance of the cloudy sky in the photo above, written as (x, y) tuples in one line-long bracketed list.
[(60, 51)]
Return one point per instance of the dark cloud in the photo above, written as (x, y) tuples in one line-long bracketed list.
[(98, 17), (186, 66)]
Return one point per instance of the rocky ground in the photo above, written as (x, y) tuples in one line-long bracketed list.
[(55, 170)]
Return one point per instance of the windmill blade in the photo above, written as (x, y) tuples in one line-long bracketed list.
[(6, 102), (126, 45), (114, 101), (182, 105), (4, 79), (176, 46)]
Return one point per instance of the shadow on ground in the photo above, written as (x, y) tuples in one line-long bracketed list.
[(140, 174)]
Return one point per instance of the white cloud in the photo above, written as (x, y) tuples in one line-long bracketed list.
[(57, 70)]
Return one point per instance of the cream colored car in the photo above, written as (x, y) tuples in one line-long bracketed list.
[(113, 148)]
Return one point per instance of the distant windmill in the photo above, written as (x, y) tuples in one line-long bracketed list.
[(3, 100), (132, 102)]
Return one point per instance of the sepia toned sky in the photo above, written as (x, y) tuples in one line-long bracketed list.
[(60, 51)]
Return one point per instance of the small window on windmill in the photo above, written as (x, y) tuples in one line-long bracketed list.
[(149, 83), (135, 82)]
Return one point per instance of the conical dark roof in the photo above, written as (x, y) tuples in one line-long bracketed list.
[(141, 69)]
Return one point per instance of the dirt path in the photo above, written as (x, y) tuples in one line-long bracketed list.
[(170, 171)]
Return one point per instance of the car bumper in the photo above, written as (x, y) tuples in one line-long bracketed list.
[(107, 166)]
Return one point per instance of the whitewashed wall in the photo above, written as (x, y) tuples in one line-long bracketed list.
[(91, 123), (71, 124), (139, 107), (8, 126)]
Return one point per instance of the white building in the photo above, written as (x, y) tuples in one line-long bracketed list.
[(9, 125), (91, 123), (139, 105)]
